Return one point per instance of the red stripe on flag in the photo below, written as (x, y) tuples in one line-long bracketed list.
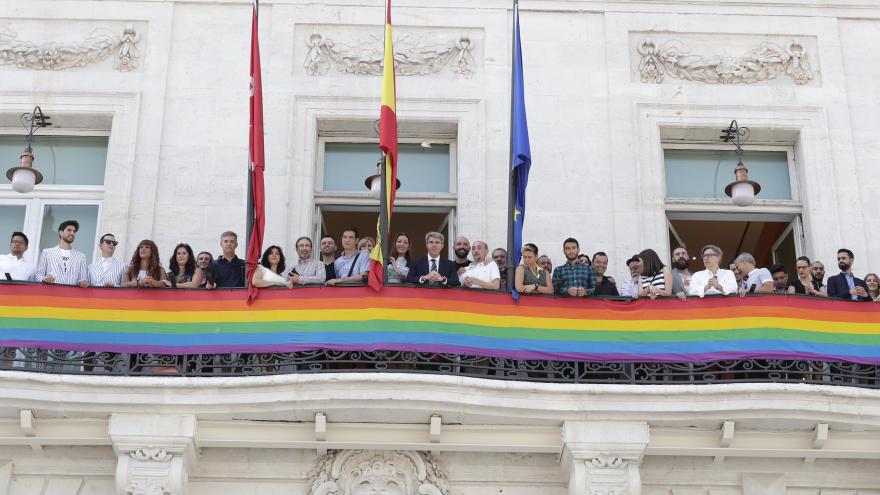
[(257, 160)]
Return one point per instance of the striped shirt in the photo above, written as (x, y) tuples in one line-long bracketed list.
[(106, 270), (658, 281), (68, 267)]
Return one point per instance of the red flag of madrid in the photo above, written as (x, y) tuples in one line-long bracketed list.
[(256, 159), (388, 144)]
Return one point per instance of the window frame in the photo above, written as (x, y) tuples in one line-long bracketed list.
[(791, 206), (54, 194)]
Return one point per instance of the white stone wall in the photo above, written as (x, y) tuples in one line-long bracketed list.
[(178, 150)]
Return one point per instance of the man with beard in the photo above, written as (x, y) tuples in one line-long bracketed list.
[(845, 285), (483, 273), (573, 278), (307, 270), (499, 255), (680, 263), (631, 287), (63, 264), (817, 273), (328, 256), (605, 286), (461, 247)]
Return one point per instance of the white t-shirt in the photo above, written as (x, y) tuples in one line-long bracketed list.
[(486, 271), (757, 277)]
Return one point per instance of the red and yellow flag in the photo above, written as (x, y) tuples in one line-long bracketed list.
[(388, 144)]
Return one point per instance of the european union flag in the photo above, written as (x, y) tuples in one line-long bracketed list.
[(521, 155)]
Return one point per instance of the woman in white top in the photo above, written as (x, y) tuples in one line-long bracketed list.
[(656, 277), (398, 263), (873, 283), (268, 272), (145, 270)]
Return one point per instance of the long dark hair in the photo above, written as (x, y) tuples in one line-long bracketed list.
[(264, 260), (394, 246), (651, 264), (153, 269), (189, 268)]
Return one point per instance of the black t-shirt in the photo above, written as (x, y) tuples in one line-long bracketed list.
[(464, 264), (330, 270), (228, 273)]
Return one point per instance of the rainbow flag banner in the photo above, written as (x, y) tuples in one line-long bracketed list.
[(438, 320)]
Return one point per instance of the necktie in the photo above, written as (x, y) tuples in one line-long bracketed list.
[(433, 265)]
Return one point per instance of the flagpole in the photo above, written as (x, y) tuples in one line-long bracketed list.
[(511, 177)]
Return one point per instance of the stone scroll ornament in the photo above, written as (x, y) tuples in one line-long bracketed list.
[(412, 57), (367, 472), (767, 61), (98, 46)]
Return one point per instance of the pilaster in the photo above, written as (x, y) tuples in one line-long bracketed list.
[(603, 457), (154, 452)]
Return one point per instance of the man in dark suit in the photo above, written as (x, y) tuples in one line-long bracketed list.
[(432, 269), (846, 285)]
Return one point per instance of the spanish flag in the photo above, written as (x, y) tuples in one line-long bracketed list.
[(388, 144)]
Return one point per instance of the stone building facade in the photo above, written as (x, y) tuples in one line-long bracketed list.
[(616, 91)]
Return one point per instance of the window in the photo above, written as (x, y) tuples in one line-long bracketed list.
[(425, 201), (73, 168), (698, 212)]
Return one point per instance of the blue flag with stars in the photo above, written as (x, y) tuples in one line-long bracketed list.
[(521, 159)]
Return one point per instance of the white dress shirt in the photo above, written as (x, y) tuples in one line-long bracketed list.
[(19, 269), (726, 279)]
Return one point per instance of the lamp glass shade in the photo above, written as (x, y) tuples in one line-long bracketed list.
[(23, 180), (376, 186), (743, 193)]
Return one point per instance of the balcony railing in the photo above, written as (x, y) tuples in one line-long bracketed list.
[(51, 329)]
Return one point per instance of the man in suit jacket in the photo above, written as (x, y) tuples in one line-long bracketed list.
[(432, 269), (846, 285)]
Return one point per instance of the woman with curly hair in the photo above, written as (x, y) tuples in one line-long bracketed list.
[(182, 269), (145, 270), (270, 271)]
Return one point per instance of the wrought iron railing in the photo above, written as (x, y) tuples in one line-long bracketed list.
[(323, 361)]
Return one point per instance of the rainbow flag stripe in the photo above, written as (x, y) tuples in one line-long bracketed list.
[(438, 320)]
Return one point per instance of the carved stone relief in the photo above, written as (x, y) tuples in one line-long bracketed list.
[(151, 471), (768, 60), (369, 472), (413, 55), (101, 44)]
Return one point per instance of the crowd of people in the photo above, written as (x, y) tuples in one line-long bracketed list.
[(472, 267)]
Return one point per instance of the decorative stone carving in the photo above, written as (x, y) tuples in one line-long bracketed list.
[(369, 472), (604, 456), (767, 61), (59, 56), (412, 56), (151, 471)]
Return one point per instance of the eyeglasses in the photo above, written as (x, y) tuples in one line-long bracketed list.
[(802, 267), (709, 255), (112, 243)]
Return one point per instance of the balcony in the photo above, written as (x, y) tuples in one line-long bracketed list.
[(131, 332)]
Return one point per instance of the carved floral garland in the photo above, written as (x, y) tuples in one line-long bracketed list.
[(767, 61), (58, 56), (412, 57)]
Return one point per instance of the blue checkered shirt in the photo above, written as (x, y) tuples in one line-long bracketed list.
[(580, 275)]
